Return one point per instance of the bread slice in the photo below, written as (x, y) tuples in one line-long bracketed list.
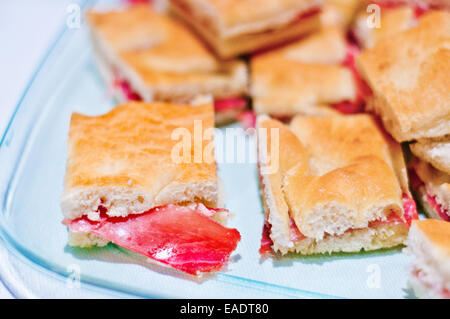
[(429, 245), (124, 161), (434, 151), (338, 184), (236, 27), (408, 76), (392, 21), (433, 189), (153, 57), (304, 77)]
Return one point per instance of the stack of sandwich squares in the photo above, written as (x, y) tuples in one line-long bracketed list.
[(330, 180), (310, 76), (143, 54), (408, 74)]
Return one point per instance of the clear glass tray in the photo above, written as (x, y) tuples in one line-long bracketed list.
[(33, 155)]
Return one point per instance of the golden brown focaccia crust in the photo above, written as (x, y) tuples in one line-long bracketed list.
[(392, 21), (303, 77), (437, 232), (408, 74), (434, 151), (142, 33), (350, 166)]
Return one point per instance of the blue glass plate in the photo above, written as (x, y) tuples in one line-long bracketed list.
[(33, 155)]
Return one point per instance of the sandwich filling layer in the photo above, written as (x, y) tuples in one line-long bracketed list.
[(220, 105), (410, 214), (363, 90), (125, 87), (181, 237)]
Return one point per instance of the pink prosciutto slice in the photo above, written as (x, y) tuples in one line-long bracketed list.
[(180, 237), (416, 182), (235, 103), (266, 241), (220, 105), (410, 209), (126, 89), (247, 119), (362, 89), (138, 1)]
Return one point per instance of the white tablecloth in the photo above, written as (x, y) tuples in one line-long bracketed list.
[(27, 28)]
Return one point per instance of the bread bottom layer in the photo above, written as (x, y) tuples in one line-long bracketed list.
[(85, 240), (373, 238)]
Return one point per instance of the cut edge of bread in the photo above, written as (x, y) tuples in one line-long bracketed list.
[(279, 233), (122, 201), (208, 195)]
